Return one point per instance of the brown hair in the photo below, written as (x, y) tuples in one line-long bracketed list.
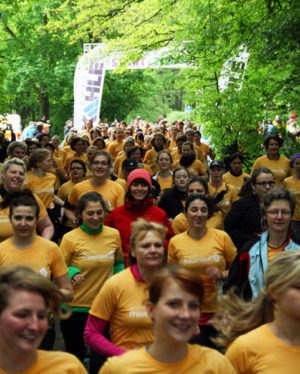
[(36, 156), (185, 278), (18, 278)]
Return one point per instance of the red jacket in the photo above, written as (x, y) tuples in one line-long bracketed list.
[(121, 218)]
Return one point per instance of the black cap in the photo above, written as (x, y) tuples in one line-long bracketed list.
[(218, 163), (129, 164)]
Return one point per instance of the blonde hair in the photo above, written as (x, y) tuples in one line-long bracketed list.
[(6, 165), (239, 317), (140, 228)]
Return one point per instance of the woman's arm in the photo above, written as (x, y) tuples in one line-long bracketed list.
[(45, 227), (94, 338), (58, 201), (64, 285)]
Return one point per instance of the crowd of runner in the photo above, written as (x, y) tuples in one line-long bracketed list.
[(157, 248)]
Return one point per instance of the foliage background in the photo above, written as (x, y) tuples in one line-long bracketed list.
[(41, 42)]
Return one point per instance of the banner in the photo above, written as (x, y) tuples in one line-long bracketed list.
[(90, 74), (233, 71)]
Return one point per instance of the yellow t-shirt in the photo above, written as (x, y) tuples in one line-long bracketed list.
[(236, 182), (43, 256), (118, 163), (122, 183), (180, 222), (121, 301), (43, 187), (165, 183), (214, 249), (54, 362), (175, 156), (63, 193), (60, 154), (6, 230), (280, 168), (197, 168), (228, 199), (198, 360), (294, 186), (150, 159), (72, 157), (111, 191), (260, 351), (115, 147), (94, 256)]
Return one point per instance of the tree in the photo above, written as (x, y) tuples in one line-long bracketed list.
[(206, 33), (38, 66)]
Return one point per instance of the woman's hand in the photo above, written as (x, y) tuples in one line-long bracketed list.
[(77, 279), (215, 273)]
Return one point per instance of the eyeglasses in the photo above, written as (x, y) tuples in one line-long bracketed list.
[(76, 168), (102, 163), (276, 212), (264, 184)]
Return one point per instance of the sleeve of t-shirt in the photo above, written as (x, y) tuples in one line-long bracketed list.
[(240, 359), (66, 250), (229, 249), (61, 193), (72, 197), (120, 195), (106, 300), (43, 212), (202, 170), (172, 259), (58, 265)]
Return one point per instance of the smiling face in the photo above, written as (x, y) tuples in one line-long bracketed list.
[(23, 221), (263, 183), (23, 324), (279, 216), (197, 214), (18, 152), (100, 166), (13, 178), (93, 215), (139, 190), (175, 315), (149, 249)]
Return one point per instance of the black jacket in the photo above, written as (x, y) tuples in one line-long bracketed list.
[(243, 222)]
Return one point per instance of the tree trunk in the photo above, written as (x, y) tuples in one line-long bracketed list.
[(44, 104)]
